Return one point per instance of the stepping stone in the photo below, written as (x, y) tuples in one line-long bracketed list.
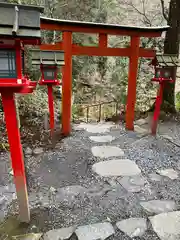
[(170, 173), (133, 227), (115, 167), (29, 236), (155, 177), (158, 206), (167, 225), (95, 128), (107, 151), (59, 234), (95, 231), (98, 129), (102, 139), (133, 183)]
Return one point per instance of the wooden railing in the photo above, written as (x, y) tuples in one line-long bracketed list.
[(92, 115)]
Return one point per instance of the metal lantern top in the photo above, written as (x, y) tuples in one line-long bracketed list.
[(163, 65), (166, 60), (47, 58), (22, 21)]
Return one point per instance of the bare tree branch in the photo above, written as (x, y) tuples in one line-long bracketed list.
[(146, 20), (163, 10)]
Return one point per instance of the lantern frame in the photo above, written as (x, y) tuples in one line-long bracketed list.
[(48, 60), (162, 78), (19, 26)]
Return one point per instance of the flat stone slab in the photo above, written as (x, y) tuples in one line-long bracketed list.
[(158, 206), (59, 234), (170, 173), (155, 177), (29, 236), (107, 151), (95, 128), (122, 167), (133, 227), (95, 231), (133, 183), (102, 139), (167, 225)]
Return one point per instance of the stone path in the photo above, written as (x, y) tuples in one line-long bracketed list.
[(103, 183)]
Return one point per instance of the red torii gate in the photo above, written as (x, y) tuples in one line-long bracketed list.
[(133, 52)]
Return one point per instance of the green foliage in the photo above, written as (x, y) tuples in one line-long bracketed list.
[(178, 101), (34, 104)]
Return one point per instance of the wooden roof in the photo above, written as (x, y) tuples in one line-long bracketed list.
[(91, 27)]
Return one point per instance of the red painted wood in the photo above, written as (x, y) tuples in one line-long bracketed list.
[(67, 83), (18, 60), (103, 40), (131, 95), (16, 154), (100, 51), (157, 109), (51, 107)]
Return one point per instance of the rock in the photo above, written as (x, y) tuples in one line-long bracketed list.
[(68, 194), (140, 130), (107, 151), (178, 165), (53, 190), (167, 225), (95, 231), (29, 236), (170, 173), (102, 139), (115, 167), (59, 234), (28, 151), (158, 206), (3, 199), (38, 151), (167, 137), (133, 183), (142, 121), (155, 177), (133, 227)]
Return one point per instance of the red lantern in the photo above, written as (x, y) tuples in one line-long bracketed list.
[(49, 62), (163, 65), (19, 26)]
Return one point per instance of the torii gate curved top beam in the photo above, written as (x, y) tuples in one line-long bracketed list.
[(133, 52)]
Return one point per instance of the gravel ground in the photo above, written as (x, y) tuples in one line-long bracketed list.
[(93, 198)]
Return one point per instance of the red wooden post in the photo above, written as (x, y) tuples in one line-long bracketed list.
[(157, 109), (16, 154), (67, 83), (131, 95), (51, 107), (103, 40)]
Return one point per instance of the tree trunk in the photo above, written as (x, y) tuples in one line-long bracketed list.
[(171, 46)]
